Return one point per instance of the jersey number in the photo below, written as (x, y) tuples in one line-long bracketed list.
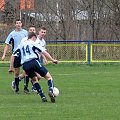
[(26, 50)]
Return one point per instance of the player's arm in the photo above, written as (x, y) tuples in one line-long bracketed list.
[(44, 52), (45, 60), (49, 57), (7, 46), (41, 55)]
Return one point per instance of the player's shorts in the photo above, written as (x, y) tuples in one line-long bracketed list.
[(41, 60), (33, 66), (17, 62)]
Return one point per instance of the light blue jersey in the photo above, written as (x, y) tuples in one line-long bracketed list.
[(15, 38), (29, 50)]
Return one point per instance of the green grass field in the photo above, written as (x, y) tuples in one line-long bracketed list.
[(86, 93)]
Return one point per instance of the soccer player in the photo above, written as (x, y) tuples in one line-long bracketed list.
[(17, 64), (40, 40), (31, 64), (14, 38)]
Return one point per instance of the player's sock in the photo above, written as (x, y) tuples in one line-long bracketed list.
[(50, 85), (33, 87), (26, 81), (13, 82), (39, 90), (17, 82)]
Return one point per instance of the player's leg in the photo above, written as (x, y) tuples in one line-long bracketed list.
[(16, 65), (21, 76), (50, 81), (44, 73), (16, 77), (13, 82), (50, 86), (33, 87), (38, 88), (29, 68), (26, 81)]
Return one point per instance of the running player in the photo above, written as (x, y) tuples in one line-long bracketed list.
[(40, 40), (31, 64)]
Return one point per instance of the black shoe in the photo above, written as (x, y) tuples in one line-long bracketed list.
[(52, 97), (17, 90), (26, 90), (44, 99)]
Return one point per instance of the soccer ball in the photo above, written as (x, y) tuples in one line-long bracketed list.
[(55, 91)]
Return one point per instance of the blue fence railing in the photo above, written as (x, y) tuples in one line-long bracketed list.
[(89, 46)]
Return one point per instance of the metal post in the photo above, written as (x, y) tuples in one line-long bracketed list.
[(89, 52)]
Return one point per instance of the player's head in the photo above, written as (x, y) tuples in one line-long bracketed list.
[(42, 32), (32, 36), (18, 24), (32, 29)]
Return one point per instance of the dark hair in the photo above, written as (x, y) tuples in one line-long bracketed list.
[(17, 20), (43, 28), (31, 26), (31, 34)]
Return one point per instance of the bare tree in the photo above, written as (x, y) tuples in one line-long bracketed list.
[(70, 19)]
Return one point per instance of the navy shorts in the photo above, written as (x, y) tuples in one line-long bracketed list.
[(33, 66), (17, 62)]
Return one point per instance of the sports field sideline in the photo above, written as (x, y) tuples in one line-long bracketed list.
[(87, 92)]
